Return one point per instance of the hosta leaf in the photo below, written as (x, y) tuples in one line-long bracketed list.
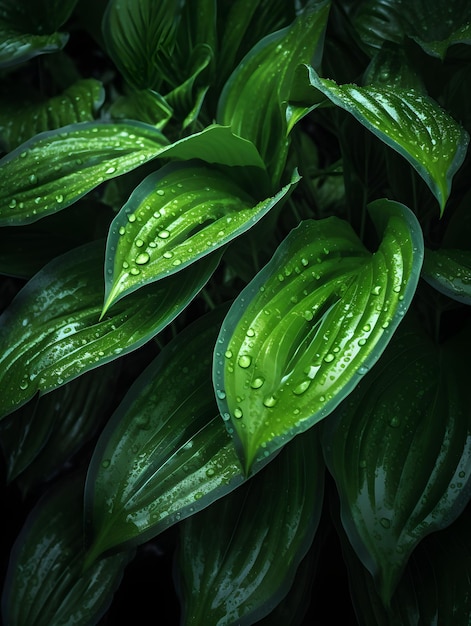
[(238, 557), (144, 105), (177, 215), (17, 47), (165, 453), (45, 583), (52, 333), (400, 452), (449, 271), (410, 123), (136, 35), (42, 435), (21, 119), (300, 336), (255, 95)]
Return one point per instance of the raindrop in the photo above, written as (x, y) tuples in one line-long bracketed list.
[(329, 358), (269, 401), (244, 361), (210, 472), (221, 394), (366, 328), (385, 522), (134, 271), (394, 422), (167, 255), (376, 290), (302, 387), (164, 234), (361, 342), (24, 384), (12, 203), (106, 463), (257, 383), (139, 243), (228, 354), (250, 332), (142, 258), (122, 230), (160, 192), (131, 217), (110, 170), (33, 179), (238, 413)]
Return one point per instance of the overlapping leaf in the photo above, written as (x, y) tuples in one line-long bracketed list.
[(45, 583), (52, 333), (410, 123), (449, 271), (255, 95), (300, 336), (175, 216), (400, 452), (238, 557), (165, 453)]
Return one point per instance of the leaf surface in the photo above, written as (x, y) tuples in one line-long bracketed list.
[(300, 336), (449, 271), (412, 124)]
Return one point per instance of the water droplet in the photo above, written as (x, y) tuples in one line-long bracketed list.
[(122, 230), (228, 354), (244, 361), (257, 383), (269, 401), (221, 394), (33, 179), (12, 203), (376, 290), (110, 170), (385, 522), (394, 422), (142, 258), (164, 234), (24, 384), (139, 243), (302, 387), (366, 328), (134, 271), (238, 413), (106, 463), (361, 342), (160, 192), (329, 358), (250, 332), (210, 472), (131, 217), (462, 474)]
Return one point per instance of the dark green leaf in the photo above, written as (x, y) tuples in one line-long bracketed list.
[(399, 450), (144, 105), (410, 123), (45, 584), (300, 336), (449, 272), (165, 453), (52, 331), (176, 216), (238, 557), (17, 47)]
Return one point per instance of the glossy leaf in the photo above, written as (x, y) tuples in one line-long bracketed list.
[(137, 34), (165, 452), (449, 272), (21, 119), (300, 336), (238, 557), (254, 97), (45, 583), (177, 215), (17, 47), (42, 435), (52, 333), (400, 452), (410, 123), (144, 105)]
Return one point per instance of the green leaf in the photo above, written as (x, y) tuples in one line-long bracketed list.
[(138, 36), (21, 119), (43, 434), (412, 124), (45, 584), (300, 336), (177, 215), (144, 105), (165, 452), (255, 96), (17, 47), (238, 557), (449, 272), (400, 452), (55, 168), (52, 332)]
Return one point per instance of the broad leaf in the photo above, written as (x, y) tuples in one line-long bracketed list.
[(238, 557), (177, 215), (52, 332), (400, 452), (144, 105), (412, 124), (17, 47), (165, 452), (449, 271), (42, 435), (21, 119), (300, 336), (45, 583), (255, 96), (137, 35)]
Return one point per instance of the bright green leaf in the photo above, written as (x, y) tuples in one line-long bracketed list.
[(45, 584), (410, 123), (449, 272), (255, 96), (300, 336), (165, 452), (177, 215), (399, 451), (21, 119), (52, 331), (238, 557)]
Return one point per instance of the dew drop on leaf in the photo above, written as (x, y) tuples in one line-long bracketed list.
[(142, 258), (238, 413), (257, 383), (269, 401), (244, 361)]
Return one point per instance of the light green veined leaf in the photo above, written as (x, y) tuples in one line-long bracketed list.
[(54, 169), (52, 331), (449, 272), (253, 99), (21, 119), (165, 453), (399, 451), (176, 216), (300, 336), (17, 47), (238, 557), (45, 583), (412, 124), (137, 35)]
